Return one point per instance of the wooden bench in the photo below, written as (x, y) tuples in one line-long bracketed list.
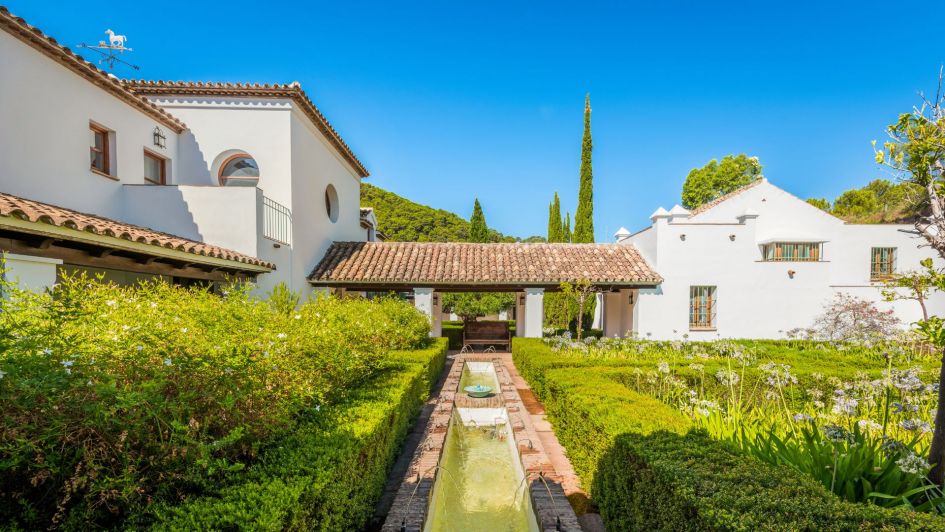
[(487, 333)]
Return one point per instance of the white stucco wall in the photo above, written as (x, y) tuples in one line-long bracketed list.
[(757, 299), (296, 164), (45, 110), (315, 165)]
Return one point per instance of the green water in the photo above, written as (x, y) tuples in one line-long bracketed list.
[(472, 378), (477, 483)]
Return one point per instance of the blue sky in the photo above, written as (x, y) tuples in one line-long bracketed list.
[(448, 101)]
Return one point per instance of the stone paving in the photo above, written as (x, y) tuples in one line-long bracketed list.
[(550, 474)]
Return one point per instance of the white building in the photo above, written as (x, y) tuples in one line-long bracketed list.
[(759, 262), (252, 176)]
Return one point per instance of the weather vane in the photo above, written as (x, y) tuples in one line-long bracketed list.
[(111, 50)]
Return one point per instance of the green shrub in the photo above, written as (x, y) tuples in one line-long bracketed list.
[(648, 469), (113, 398), (328, 474)]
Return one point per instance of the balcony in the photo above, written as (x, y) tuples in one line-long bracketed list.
[(277, 221)]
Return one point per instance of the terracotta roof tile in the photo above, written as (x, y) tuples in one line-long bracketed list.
[(35, 37), (291, 91), (708, 205), (440, 264), (35, 211)]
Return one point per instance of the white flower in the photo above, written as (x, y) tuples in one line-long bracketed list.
[(298, 316), (280, 336), (139, 348), (663, 367), (168, 362), (47, 351), (152, 304), (802, 417), (183, 329), (868, 424), (696, 367), (2, 373), (67, 363), (913, 463), (111, 303)]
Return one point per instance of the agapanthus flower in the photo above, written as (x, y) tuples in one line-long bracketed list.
[(837, 434), (800, 417), (663, 367), (913, 463), (844, 405), (915, 425)]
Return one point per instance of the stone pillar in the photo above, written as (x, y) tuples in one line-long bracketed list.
[(534, 315), (429, 303), (30, 273)]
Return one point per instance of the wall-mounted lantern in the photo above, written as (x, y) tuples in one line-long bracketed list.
[(682, 237), (790, 273), (159, 139), (436, 299), (631, 298), (731, 237)]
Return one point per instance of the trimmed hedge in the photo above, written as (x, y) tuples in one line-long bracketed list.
[(327, 474), (648, 469)]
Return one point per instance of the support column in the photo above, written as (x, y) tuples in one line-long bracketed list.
[(520, 314), (598, 322), (30, 273), (429, 303), (618, 313), (534, 312)]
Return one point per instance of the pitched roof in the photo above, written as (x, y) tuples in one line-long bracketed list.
[(448, 264), (710, 204), (291, 91), (43, 213), (34, 37)]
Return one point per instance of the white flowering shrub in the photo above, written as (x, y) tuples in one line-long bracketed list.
[(112, 397)]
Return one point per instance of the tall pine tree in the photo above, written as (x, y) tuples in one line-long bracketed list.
[(566, 235), (478, 230), (555, 228), (584, 218)]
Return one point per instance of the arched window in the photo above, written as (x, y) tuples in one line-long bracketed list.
[(239, 170), (331, 203)]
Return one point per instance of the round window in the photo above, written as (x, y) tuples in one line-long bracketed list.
[(331, 203), (239, 170)]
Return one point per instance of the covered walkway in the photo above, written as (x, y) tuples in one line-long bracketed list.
[(617, 271)]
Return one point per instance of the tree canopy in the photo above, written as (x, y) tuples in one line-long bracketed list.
[(718, 178), (584, 216), (403, 220), (478, 231), (880, 201)]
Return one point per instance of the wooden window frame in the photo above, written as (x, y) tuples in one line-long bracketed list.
[(222, 179), (708, 311), (877, 265), (813, 250), (105, 152), (148, 154)]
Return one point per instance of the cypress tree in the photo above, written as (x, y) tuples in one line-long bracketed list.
[(478, 230), (566, 235), (554, 221), (584, 218)]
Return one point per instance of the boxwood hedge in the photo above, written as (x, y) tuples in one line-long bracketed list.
[(648, 469), (328, 474)]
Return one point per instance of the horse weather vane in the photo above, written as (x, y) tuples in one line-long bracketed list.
[(111, 50)]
